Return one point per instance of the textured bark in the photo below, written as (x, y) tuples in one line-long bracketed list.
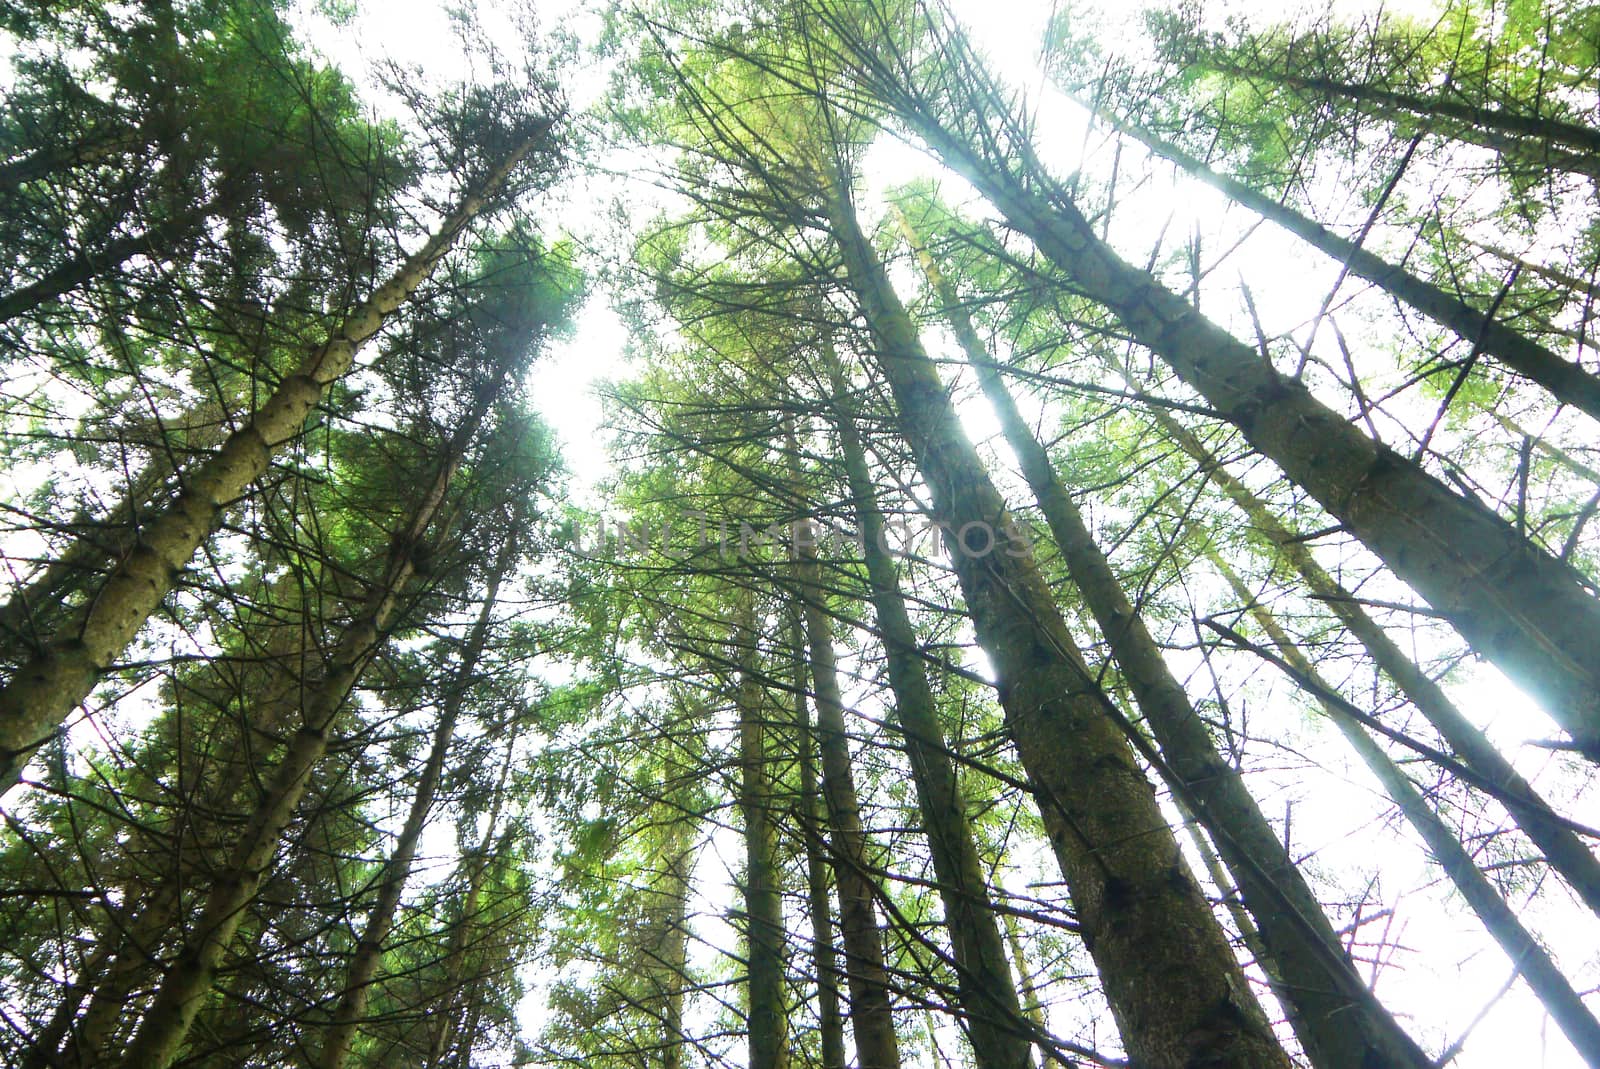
[(1518, 606), (871, 1010), (768, 1029), (1179, 996), (363, 967), (137, 942), (189, 976), (1568, 382), (830, 1023), (996, 1026), (1562, 848), (1505, 131), (1526, 953), (44, 690), (1336, 1017)]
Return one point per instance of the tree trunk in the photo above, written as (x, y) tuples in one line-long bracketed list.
[(159, 243), (42, 692), (871, 1010), (768, 1030), (1562, 848), (363, 965), (671, 956), (1504, 131), (445, 1017), (1338, 1020), (1516, 604), (1027, 987), (830, 1025), (1525, 951), (996, 1026), (189, 977), (44, 1047), (1169, 974), (1568, 382)]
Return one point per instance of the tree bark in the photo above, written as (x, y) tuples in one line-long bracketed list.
[(1516, 604), (1546, 980), (871, 1010), (1566, 853), (768, 1030), (830, 1024), (996, 1025), (43, 691), (1338, 1020), (1179, 996)]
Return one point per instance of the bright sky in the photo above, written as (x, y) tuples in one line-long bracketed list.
[(1454, 969)]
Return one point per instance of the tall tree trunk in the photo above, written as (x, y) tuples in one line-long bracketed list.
[(189, 977), (43, 691), (670, 962), (363, 965), (1568, 382), (443, 1021), (996, 1026), (1562, 848), (1027, 986), (1338, 1020), (132, 936), (1516, 604), (871, 1010), (1505, 131), (830, 1024), (1169, 974), (768, 1030), (1546, 980), (136, 957)]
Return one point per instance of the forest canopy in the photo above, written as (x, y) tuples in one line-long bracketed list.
[(805, 533)]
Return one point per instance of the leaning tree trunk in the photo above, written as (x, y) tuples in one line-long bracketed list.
[(830, 1024), (1517, 605), (1177, 992), (44, 690), (1505, 131), (996, 1024), (444, 1019), (44, 1047), (1566, 853), (871, 1011), (363, 965), (42, 607), (189, 977), (768, 1030), (1337, 1018), (1568, 382), (158, 242), (1546, 980), (132, 936)]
